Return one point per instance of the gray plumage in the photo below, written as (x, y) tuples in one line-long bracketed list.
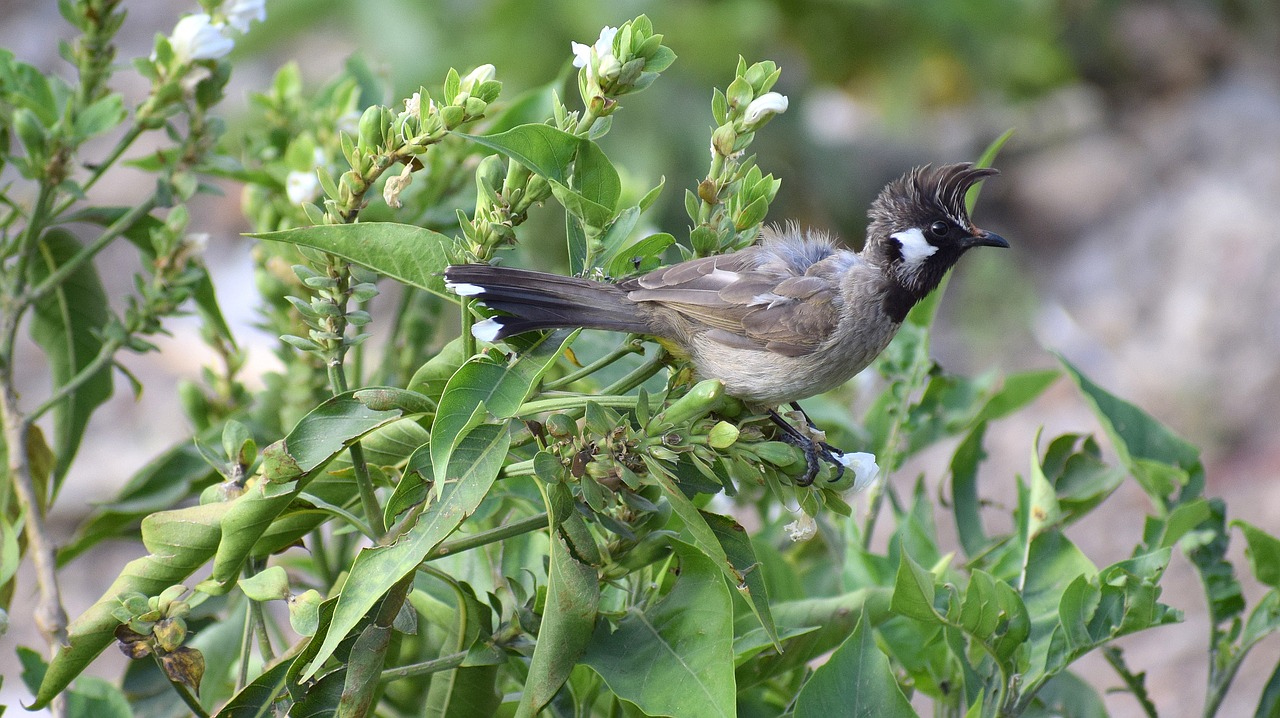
[(787, 318)]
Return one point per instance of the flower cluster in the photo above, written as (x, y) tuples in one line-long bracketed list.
[(622, 60)]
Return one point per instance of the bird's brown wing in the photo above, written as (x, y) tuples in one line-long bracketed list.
[(754, 299)]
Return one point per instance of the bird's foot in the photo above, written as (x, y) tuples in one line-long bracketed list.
[(814, 448)]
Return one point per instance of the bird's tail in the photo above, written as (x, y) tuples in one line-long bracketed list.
[(537, 300)]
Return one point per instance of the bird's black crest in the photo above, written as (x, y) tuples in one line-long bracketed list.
[(945, 187)]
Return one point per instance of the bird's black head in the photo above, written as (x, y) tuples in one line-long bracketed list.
[(920, 227)]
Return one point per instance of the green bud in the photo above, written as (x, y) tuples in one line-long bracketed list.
[(739, 93), (475, 107), (452, 116), (371, 127), (723, 435), (723, 140), (701, 400)]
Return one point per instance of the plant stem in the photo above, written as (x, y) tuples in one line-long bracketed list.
[(66, 269), (639, 375), (104, 358), (627, 347), (100, 168), (577, 401), (364, 482), (493, 535), (426, 668)]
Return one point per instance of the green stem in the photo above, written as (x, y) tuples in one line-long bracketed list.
[(364, 482), (105, 355), (117, 228), (100, 168), (493, 535), (426, 668), (27, 245), (627, 347), (246, 645), (577, 401), (919, 369), (468, 318), (639, 375)]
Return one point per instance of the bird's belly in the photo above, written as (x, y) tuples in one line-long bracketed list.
[(769, 379)]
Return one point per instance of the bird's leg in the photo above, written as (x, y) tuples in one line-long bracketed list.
[(813, 450)]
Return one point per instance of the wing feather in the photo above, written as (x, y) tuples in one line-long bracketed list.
[(782, 295)]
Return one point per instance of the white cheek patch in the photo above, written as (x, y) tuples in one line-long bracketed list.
[(915, 248)]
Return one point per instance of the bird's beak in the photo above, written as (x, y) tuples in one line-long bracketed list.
[(983, 238)]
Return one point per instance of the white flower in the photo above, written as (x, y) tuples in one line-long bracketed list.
[(603, 49), (413, 105), (241, 12), (478, 76), (302, 186), (864, 467), (195, 37), (802, 529), (764, 107)]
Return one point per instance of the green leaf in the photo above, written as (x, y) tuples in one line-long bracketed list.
[(102, 115), (258, 698), (484, 384), (67, 324), (832, 620), (913, 591), (270, 584), (182, 540), (1145, 446), (413, 255), (1016, 391), (543, 149), (473, 468), (741, 555), (1066, 695), (164, 482), (965, 503), (1042, 510), (856, 681), (1269, 702), (1263, 552), (573, 596), (642, 255), (676, 657)]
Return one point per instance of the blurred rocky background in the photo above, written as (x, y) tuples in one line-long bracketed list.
[(1140, 192)]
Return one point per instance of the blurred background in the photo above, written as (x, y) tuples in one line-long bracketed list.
[(1139, 192)]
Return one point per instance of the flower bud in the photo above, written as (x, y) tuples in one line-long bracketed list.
[(478, 77)]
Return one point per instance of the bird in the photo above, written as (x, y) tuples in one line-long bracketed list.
[(791, 316)]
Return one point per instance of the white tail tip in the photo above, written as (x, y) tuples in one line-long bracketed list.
[(487, 330), (462, 289)]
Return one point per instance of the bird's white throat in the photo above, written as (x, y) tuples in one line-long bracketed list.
[(915, 248)]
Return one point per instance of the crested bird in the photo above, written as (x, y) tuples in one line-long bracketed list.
[(789, 317)]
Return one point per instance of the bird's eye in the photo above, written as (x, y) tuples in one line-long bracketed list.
[(939, 229)]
